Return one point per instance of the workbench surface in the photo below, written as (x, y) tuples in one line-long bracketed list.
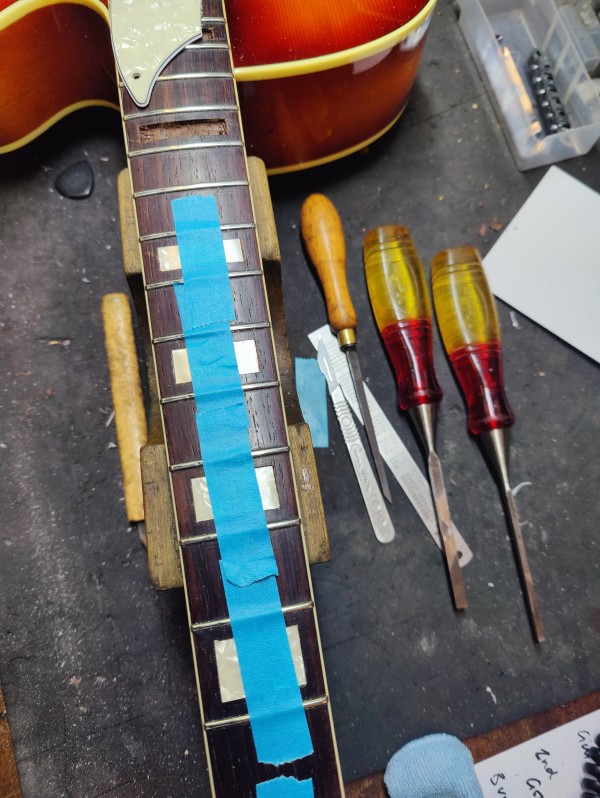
[(95, 664)]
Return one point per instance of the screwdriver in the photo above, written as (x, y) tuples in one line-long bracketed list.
[(400, 301), (468, 322), (324, 239)]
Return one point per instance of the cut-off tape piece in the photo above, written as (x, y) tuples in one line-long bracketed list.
[(285, 787)]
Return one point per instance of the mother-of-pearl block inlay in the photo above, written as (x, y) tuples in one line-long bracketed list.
[(246, 355), (228, 668), (265, 476), (168, 257)]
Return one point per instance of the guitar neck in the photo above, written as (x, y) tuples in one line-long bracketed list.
[(189, 140)]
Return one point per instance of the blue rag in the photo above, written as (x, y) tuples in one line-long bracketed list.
[(436, 766)]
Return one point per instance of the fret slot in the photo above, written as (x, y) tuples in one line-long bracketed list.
[(320, 766), (215, 710), (172, 367), (188, 524), (213, 535), (183, 128), (216, 62), (154, 212), (267, 425), (285, 609), (248, 300), (251, 386), (177, 96), (201, 559)]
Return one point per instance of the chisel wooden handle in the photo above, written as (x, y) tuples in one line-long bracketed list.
[(324, 239)]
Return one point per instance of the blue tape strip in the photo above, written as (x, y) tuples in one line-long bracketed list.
[(277, 717), (312, 395), (284, 787)]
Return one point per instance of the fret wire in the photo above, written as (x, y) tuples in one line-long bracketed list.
[(213, 19), (259, 325), (179, 110), (196, 145), (193, 539), (217, 724), (232, 276), (188, 76), (226, 228), (194, 76), (256, 453), (152, 192), (207, 46), (197, 627), (248, 386)]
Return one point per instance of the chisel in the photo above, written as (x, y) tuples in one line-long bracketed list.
[(466, 314), (400, 301), (324, 239)]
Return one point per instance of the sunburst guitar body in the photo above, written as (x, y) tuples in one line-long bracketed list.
[(317, 79)]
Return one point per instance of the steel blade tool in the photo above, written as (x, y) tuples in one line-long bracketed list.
[(402, 309), (468, 322), (376, 507), (324, 239)]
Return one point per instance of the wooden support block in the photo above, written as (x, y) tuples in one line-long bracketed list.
[(313, 514), (161, 535), (128, 403), (10, 786)]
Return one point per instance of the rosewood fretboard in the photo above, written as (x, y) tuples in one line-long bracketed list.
[(189, 140)]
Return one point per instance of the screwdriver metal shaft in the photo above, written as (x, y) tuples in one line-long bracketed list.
[(400, 300), (324, 238), (468, 323)]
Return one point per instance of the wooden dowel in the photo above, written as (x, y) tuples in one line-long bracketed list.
[(128, 403)]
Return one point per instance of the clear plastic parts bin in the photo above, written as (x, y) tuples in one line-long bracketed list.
[(501, 35)]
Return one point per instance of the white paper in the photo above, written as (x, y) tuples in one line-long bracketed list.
[(550, 766), (546, 264), (394, 452)]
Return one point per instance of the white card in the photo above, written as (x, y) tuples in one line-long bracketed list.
[(546, 264), (550, 765)]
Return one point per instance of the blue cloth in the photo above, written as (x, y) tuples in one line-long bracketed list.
[(436, 766), (312, 395)]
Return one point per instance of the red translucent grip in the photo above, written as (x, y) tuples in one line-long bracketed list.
[(409, 346), (479, 370)]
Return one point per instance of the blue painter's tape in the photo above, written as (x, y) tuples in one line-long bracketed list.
[(312, 395), (285, 787), (257, 620), (248, 566)]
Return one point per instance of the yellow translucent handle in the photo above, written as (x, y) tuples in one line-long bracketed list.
[(464, 304), (395, 276)]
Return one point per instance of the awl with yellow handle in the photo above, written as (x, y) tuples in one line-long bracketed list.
[(466, 314), (324, 239), (400, 300)]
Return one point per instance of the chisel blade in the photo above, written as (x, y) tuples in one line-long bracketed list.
[(368, 421), (442, 509), (523, 566)]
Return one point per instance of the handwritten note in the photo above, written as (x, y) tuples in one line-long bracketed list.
[(548, 766)]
